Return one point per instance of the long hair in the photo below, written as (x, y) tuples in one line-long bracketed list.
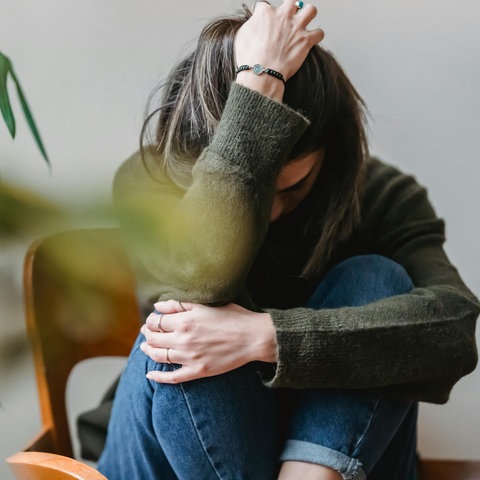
[(194, 96)]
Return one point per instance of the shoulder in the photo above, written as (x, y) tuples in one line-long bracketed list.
[(141, 171), (388, 189), (379, 172), (137, 167)]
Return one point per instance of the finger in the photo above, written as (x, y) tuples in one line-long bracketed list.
[(306, 14), (181, 306), (156, 339), (260, 4), (173, 306), (168, 306), (289, 5), (160, 355), (156, 322), (316, 35), (180, 375), (177, 322)]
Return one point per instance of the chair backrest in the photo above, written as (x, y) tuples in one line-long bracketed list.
[(79, 303)]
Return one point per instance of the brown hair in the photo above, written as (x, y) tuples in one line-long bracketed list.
[(192, 103)]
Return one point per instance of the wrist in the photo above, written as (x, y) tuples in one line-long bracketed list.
[(266, 85), (258, 69), (265, 338)]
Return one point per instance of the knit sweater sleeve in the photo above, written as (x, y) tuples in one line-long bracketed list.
[(415, 345), (197, 244)]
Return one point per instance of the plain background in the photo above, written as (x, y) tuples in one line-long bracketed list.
[(88, 67)]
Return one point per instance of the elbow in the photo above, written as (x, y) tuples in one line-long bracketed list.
[(465, 355), (203, 282), (471, 359)]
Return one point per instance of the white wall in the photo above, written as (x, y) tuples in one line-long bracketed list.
[(88, 66)]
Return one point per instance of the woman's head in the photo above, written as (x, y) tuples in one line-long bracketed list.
[(194, 96)]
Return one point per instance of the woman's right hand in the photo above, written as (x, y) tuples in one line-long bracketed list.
[(277, 38)]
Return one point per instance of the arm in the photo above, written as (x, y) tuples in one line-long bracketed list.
[(198, 245), (416, 345)]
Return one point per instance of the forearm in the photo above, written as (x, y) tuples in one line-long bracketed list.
[(198, 245), (265, 85), (404, 340)]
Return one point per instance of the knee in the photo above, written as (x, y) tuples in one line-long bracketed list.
[(362, 279), (376, 269)]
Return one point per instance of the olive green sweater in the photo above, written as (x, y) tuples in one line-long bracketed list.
[(213, 241)]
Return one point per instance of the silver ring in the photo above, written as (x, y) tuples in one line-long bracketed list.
[(159, 323), (167, 358), (181, 306)]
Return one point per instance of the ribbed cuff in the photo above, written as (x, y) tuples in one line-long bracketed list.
[(256, 133), (294, 360)]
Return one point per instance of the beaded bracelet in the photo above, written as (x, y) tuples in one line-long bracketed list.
[(259, 69)]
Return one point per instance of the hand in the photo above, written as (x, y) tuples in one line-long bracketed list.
[(206, 341), (276, 37)]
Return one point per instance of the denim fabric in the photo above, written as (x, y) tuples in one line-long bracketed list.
[(350, 432), (232, 427)]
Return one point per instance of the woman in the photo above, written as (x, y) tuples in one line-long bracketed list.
[(313, 303)]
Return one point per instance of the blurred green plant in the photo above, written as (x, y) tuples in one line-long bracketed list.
[(25, 214), (6, 70)]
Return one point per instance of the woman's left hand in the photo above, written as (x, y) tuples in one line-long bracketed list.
[(206, 341)]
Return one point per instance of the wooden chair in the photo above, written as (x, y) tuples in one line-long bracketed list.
[(48, 466), (80, 303), (448, 470)]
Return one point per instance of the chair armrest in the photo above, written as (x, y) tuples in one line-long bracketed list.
[(45, 466)]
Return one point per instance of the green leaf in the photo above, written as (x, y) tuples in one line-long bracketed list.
[(5, 107), (29, 117)]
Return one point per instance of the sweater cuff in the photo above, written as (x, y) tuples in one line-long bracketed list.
[(256, 133), (282, 375), (298, 344)]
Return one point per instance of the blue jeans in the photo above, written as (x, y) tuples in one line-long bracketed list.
[(232, 427)]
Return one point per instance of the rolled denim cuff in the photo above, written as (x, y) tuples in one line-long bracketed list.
[(300, 451)]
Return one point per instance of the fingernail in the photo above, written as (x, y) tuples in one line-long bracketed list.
[(149, 375)]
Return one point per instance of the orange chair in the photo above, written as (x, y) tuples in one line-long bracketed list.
[(448, 470), (80, 303), (48, 466)]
